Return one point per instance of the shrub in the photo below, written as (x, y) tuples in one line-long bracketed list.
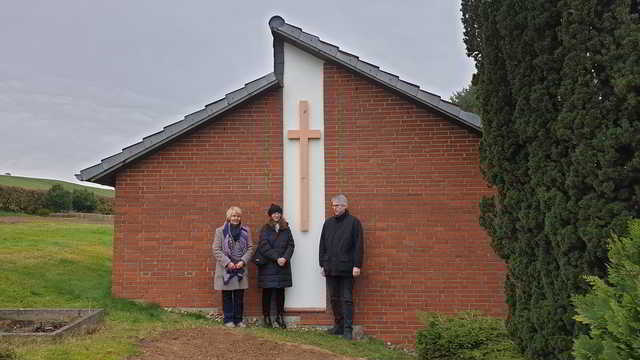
[(58, 199), (612, 310), (467, 335), (105, 205), (17, 199), (84, 200)]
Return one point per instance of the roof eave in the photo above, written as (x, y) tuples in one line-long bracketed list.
[(103, 173)]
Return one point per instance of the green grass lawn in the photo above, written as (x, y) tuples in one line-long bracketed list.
[(45, 184), (69, 265), (45, 264)]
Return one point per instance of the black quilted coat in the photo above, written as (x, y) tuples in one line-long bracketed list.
[(274, 245)]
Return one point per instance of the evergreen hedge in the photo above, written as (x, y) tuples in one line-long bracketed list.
[(559, 91), (16, 199)]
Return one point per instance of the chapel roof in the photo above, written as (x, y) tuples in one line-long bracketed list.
[(103, 172), (313, 44)]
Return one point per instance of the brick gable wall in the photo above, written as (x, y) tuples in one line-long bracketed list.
[(412, 177), (169, 204)]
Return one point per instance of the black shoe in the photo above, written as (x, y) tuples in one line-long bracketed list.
[(347, 335), (280, 321), (267, 321), (336, 330)]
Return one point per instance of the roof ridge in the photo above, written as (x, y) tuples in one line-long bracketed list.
[(315, 45)]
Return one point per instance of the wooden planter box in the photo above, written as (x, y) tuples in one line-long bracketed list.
[(79, 321)]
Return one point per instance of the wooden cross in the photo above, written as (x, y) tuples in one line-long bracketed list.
[(304, 134)]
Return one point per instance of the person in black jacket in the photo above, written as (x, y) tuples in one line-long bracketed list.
[(273, 259), (341, 255)]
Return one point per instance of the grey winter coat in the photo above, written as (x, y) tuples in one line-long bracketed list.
[(222, 260)]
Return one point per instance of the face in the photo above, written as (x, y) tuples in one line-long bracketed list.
[(276, 216), (338, 209), (234, 218)]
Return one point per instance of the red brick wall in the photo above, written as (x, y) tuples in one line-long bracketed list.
[(169, 204), (412, 177)]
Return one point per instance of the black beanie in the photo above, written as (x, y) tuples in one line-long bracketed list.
[(274, 209)]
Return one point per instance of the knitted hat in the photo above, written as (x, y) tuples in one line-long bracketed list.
[(274, 209)]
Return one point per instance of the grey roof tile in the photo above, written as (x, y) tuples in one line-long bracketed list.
[(328, 48), (295, 31), (102, 173), (317, 46), (216, 105)]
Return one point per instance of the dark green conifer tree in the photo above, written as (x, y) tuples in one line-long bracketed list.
[(467, 99), (559, 92)]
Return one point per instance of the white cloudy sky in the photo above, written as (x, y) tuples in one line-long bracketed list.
[(81, 79)]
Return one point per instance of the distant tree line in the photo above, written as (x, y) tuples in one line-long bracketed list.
[(56, 199)]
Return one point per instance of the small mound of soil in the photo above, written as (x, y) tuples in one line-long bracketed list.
[(222, 343), (27, 326)]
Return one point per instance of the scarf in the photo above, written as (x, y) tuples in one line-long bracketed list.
[(234, 246), (235, 242)]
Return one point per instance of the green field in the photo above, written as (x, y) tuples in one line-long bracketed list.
[(67, 265), (45, 184), (47, 264)]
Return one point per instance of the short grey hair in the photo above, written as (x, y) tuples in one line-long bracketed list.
[(340, 199)]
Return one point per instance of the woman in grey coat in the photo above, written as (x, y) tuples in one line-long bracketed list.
[(233, 249)]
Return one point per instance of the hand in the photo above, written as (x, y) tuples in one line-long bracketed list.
[(322, 271), (282, 261), (240, 264), (231, 266), (356, 271)]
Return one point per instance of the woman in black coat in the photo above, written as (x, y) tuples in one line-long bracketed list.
[(273, 259)]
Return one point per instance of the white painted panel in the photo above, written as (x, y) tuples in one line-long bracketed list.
[(303, 80)]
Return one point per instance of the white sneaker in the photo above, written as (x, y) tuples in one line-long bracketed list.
[(241, 325), (230, 325)]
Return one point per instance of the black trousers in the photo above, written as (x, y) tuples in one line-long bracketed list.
[(341, 295), (233, 305), (267, 295)]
